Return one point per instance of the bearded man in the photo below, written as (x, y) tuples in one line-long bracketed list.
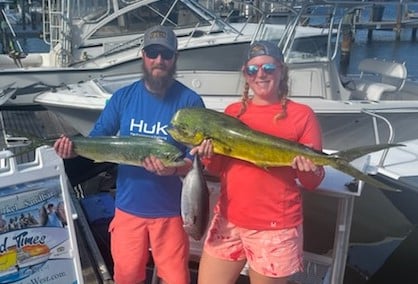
[(147, 214)]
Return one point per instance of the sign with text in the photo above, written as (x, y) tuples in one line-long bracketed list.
[(37, 244)]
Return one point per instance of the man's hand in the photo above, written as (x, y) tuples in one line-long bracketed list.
[(155, 165), (64, 147)]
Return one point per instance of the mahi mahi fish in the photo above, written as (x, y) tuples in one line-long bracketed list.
[(195, 201), (128, 150), (233, 138)]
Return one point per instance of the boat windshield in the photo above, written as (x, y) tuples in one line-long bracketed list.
[(90, 10), (312, 37), (134, 17)]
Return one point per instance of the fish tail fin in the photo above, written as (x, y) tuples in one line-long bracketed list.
[(31, 142), (345, 167), (354, 153)]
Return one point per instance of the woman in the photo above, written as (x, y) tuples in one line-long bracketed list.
[(258, 218)]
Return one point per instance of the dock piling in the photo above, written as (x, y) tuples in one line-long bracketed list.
[(400, 22)]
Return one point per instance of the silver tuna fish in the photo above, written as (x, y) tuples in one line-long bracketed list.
[(195, 201)]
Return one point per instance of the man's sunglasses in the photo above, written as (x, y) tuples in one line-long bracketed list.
[(153, 53), (268, 68)]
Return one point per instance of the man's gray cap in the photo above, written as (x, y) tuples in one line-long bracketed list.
[(161, 35)]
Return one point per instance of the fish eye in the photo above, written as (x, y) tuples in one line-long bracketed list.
[(167, 156), (182, 130)]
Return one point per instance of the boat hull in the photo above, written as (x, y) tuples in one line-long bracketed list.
[(339, 130)]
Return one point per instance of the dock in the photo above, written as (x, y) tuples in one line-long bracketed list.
[(376, 20), (395, 26)]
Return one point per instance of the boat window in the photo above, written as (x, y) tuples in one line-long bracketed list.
[(136, 21), (309, 48), (90, 10), (312, 41)]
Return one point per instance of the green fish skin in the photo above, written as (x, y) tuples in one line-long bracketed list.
[(128, 150), (231, 137)]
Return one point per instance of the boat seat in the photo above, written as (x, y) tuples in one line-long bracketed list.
[(378, 77)]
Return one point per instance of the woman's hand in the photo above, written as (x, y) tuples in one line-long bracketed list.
[(204, 150), (64, 147), (309, 174), (156, 166), (303, 164)]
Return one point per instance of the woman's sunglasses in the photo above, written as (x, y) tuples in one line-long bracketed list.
[(153, 53), (268, 68)]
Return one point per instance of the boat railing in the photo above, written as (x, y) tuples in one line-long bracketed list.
[(15, 49), (216, 22), (260, 25), (97, 16), (192, 33), (128, 2), (379, 117), (166, 16), (263, 16), (375, 118), (226, 26), (335, 18), (306, 18), (57, 29)]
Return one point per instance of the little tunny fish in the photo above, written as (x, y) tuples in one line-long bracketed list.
[(195, 201), (129, 150), (233, 138)]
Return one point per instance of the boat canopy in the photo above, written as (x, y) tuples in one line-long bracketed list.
[(134, 17)]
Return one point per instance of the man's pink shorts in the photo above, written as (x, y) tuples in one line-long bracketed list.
[(131, 239), (273, 253)]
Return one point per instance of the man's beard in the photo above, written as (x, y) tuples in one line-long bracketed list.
[(159, 84)]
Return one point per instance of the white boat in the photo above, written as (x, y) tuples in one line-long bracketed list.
[(92, 39), (365, 111)]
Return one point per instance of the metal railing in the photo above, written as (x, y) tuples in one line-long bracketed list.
[(57, 28)]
